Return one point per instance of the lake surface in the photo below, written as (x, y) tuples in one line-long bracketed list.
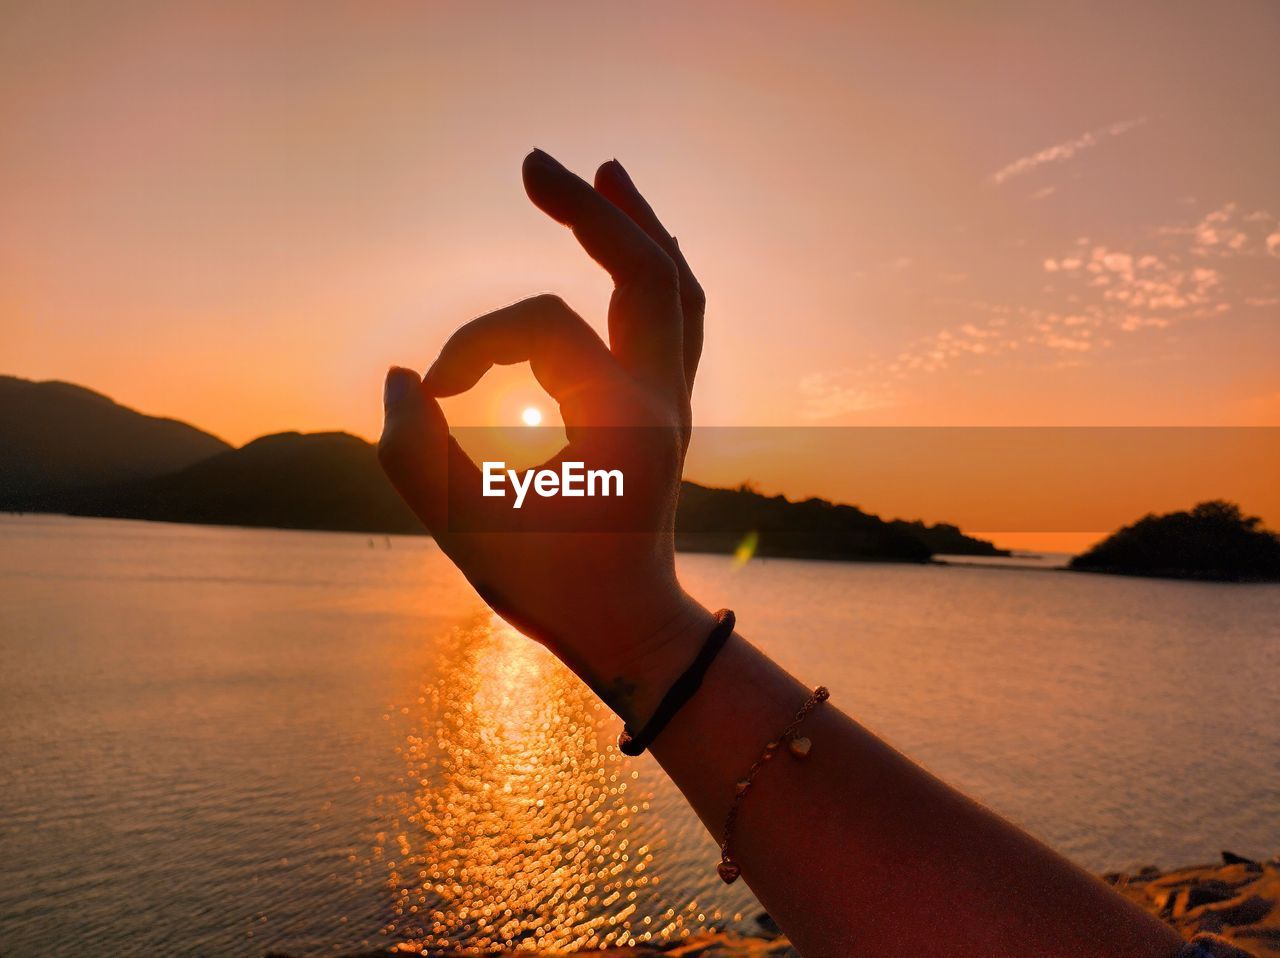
[(237, 741)]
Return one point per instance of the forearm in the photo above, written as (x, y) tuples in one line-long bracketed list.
[(855, 849)]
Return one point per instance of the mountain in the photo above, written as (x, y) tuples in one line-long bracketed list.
[(68, 449), (333, 481), (56, 436), (326, 480), (1213, 541)]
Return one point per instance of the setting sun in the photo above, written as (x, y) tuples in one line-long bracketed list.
[(532, 416)]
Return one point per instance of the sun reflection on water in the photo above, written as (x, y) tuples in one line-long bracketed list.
[(513, 829)]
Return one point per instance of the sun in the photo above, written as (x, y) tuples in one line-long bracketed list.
[(532, 416)]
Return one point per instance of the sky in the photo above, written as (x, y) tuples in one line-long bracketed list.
[(941, 214)]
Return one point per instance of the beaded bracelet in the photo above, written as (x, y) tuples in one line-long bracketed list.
[(798, 745)]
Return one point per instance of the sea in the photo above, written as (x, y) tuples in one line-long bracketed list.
[(226, 741)]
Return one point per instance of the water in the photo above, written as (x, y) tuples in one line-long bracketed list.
[(237, 741)]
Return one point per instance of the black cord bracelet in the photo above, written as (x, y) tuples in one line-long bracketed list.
[(683, 689)]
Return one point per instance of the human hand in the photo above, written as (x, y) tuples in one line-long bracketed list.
[(591, 578)]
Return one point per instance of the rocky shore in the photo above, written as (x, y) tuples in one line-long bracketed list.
[(1237, 901)]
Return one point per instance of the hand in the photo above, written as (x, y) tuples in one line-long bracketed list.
[(592, 578), (609, 605)]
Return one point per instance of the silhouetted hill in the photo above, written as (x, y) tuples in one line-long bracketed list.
[(288, 481), (1214, 541), (67, 449), (718, 520), (946, 539), (56, 436), (333, 481)]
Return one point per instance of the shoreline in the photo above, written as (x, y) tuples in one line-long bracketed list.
[(1030, 561), (937, 559), (1237, 901)]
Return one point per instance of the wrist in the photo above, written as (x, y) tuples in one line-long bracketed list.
[(634, 676)]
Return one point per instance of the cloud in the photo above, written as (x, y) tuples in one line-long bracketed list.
[(1195, 271), (1227, 231), (1135, 290), (1094, 295), (1063, 151), (829, 395)]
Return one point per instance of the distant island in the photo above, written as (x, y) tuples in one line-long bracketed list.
[(67, 449), (718, 520), (1214, 541)]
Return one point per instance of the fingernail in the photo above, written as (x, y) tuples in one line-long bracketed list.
[(400, 382), (544, 159), (623, 174)]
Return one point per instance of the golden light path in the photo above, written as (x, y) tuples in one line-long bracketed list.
[(512, 830)]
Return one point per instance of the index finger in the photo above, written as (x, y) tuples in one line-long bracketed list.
[(645, 322), (566, 356)]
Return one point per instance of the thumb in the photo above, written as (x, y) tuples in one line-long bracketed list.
[(417, 453)]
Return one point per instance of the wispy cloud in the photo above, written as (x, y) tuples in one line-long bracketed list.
[(1095, 295), (1228, 231), (1144, 289), (1064, 150), (829, 395)]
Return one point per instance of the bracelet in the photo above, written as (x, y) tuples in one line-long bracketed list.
[(798, 745), (682, 690)]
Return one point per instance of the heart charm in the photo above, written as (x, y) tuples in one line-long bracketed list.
[(729, 871), (800, 747)]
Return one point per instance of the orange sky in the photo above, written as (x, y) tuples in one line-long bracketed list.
[(912, 214)]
